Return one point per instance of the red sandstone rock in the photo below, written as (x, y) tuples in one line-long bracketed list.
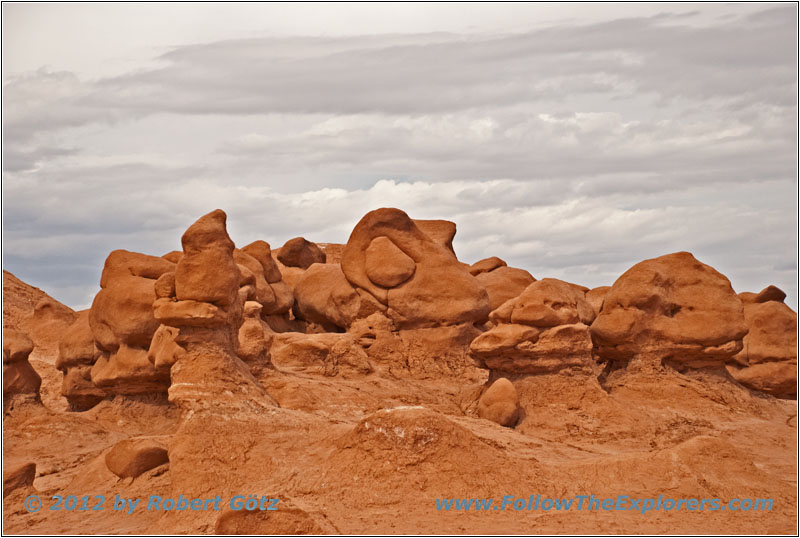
[(768, 359), (20, 380), (421, 300), (324, 296), (504, 283), (674, 308), (441, 232), (132, 457), (299, 252), (500, 403), (486, 265)]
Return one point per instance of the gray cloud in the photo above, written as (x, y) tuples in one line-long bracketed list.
[(571, 150)]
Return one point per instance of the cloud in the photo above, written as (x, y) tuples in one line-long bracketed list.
[(586, 240), (572, 150)]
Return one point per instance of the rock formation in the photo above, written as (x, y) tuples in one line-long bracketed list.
[(543, 330), (20, 381), (672, 309), (768, 359), (208, 313), (76, 355), (390, 258), (300, 252), (500, 403), (122, 323)]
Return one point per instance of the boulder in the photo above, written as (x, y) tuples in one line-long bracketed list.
[(504, 283), (595, 298), (207, 271), (299, 252), (486, 265), (324, 296), (674, 309), (415, 298), (132, 457), (500, 403), (164, 350), (771, 293), (768, 359)]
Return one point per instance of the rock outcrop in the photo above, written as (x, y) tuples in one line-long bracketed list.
[(543, 330), (390, 258), (768, 359), (208, 314), (122, 323), (672, 309), (20, 381), (504, 283), (76, 355)]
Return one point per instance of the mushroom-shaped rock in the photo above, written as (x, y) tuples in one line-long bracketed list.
[(543, 330), (207, 376), (255, 337), (19, 377), (672, 307), (440, 292), (500, 403), (132, 457), (123, 324), (596, 296), (300, 252)]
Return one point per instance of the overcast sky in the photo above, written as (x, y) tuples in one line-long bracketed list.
[(572, 140)]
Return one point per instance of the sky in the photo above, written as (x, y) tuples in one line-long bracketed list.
[(572, 140)]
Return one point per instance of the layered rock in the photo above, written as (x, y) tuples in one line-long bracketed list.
[(543, 330), (672, 309), (21, 383), (122, 324), (208, 313), (328, 354), (768, 359)]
